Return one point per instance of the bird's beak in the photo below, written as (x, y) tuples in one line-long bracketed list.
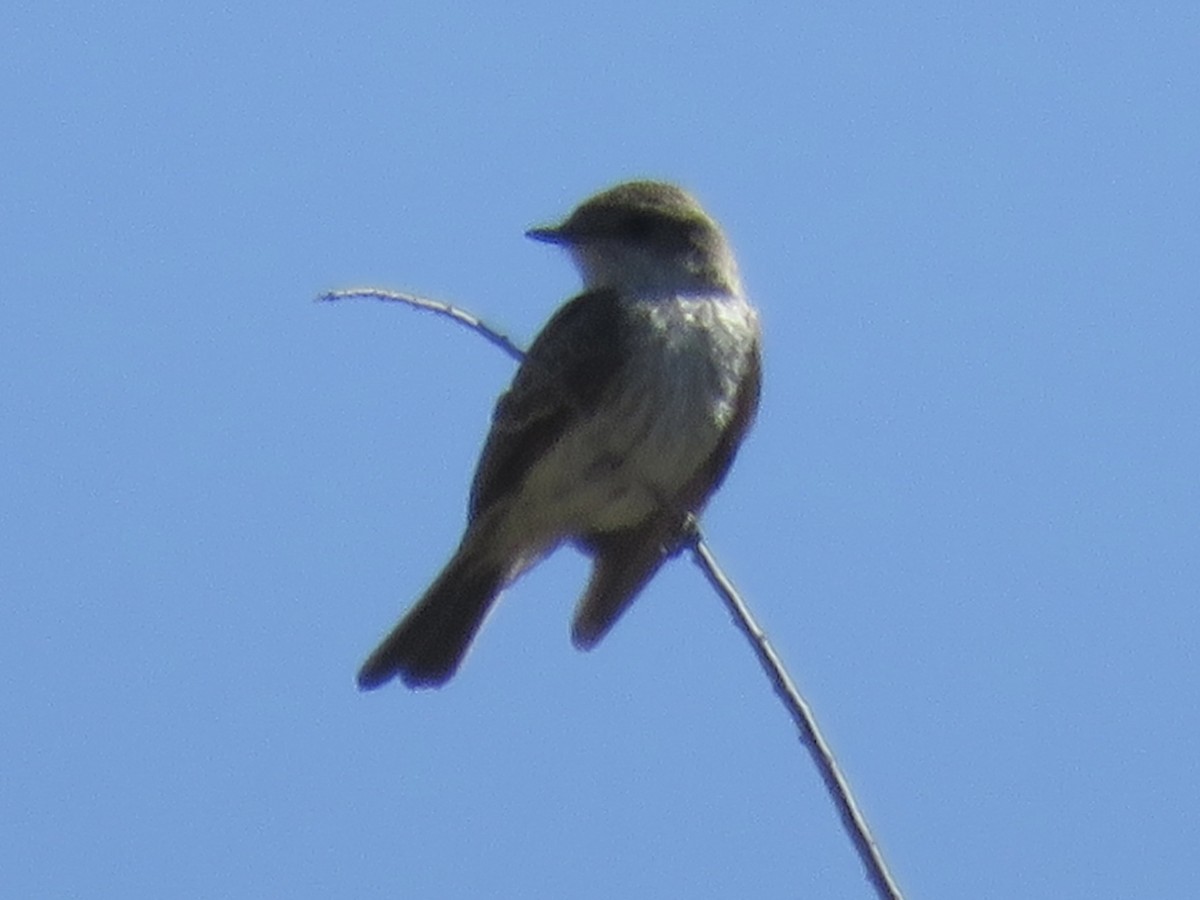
[(550, 234)]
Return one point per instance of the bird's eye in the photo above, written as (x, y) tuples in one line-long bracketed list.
[(638, 225)]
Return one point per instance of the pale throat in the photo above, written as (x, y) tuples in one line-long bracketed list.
[(643, 273)]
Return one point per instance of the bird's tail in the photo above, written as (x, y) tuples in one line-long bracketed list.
[(624, 562), (428, 645)]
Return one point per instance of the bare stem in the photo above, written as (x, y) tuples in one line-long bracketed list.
[(810, 735), (438, 306)]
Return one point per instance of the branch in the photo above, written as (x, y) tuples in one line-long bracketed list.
[(438, 306), (810, 735)]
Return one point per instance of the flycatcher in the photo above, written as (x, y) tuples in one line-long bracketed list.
[(621, 421)]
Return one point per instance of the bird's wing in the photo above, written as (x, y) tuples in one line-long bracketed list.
[(563, 377)]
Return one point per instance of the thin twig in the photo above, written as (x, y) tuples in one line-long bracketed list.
[(810, 735), (438, 306)]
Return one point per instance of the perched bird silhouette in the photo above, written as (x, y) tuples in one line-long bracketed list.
[(623, 418)]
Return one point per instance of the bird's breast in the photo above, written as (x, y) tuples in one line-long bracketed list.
[(675, 396), (659, 420)]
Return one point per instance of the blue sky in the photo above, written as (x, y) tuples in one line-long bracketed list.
[(967, 515)]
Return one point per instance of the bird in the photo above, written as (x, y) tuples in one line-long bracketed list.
[(622, 419)]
